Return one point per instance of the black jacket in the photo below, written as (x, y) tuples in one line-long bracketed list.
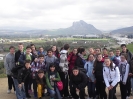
[(17, 55), (131, 66), (78, 81), (98, 70), (79, 62), (129, 55), (40, 81), (23, 74)]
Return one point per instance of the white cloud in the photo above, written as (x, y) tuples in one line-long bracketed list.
[(53, 14)]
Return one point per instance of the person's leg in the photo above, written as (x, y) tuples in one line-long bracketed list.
[(128, 87), (82, 94), (89, 89), (30, 83), (62, 76), (52, 92), (93, 90), (103, 94), (35, 87), (112, 93), (73, 92), (39, 88), (58, 93), (132, 84), (9, 82), (97, 89), (23, 92), (66, 92), (26, 84), (123, 90), (12, 83)]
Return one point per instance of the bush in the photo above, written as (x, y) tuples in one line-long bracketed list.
[(1, 65)]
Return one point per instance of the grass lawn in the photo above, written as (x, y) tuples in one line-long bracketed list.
[(130, 47)]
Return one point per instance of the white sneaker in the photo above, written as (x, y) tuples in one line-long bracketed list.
[(8, 91)]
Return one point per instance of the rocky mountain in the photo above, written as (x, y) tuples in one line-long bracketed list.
[(127, 30)]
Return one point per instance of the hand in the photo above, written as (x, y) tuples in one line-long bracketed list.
[(36, 60), (109, 88), (94, 81), (53, 79), (52, 88), (93, 71), (130, 74), (20, 85)]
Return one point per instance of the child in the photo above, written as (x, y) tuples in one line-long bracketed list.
[(98, 71), (105, 53), (111, 76), (23, 73), (89, 67), (52, 76), (41, 82), (35, 66), (117, 54), (41, 51), (124, 71)]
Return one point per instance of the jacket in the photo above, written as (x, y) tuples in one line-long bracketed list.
[(89, 68), (124, 71), (129, 55), (9, 63), (23, 74), (78, 81), (111, 75), (71, 59), (80, 62), (17, 55), (40, 80), (131, 66)]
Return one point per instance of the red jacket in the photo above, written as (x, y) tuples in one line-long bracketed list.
[(71, 59)]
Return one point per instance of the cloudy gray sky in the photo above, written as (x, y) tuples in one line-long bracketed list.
[(54, 14)]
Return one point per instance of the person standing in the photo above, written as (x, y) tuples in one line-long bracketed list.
[(9, 63)]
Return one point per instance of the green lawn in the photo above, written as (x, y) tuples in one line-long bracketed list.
[(130, 47), (69, 39)]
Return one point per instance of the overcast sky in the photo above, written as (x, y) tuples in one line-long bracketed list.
[(54, 14)]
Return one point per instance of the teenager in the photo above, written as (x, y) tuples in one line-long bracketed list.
[(71, 59), (78, 82), (9, 63), (41, 51), (91, 78), (113, 58), (105, 53), (55, 51), (19, 52), (98, 72), (131, 72), (97, 51), (117, 54), (124, 71), (41, 83), (52, 76), (64, 70), (111, 76), (19, 81), (35, 66), (33, 50), (91, 51)]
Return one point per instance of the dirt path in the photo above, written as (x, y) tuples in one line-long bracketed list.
[(4, 95)]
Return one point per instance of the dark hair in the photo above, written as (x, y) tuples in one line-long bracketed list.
[(82, 50), (32, 45), (40, 47), (28, 47), (98, 48), (27, 61), (66, 46), (20, 44), (111, 51), (125, 55), (75, 68), (123, 45), (111, 64), (41, 55), (117, 49), (11, 47), (105, 49), (49, 50), (56, 52), (90, 55), (40, 71)]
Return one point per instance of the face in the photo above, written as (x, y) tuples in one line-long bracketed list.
[(50, 53), (12, 50), (27, 65), (52, 69), (111, 54), (97, 51), (84, 53), (20, 47), (75, 51), (124, 49), (33, 48), (123, 58), (54, 48), (75, 72), (91, 57), (118, 52), (99, 57), (105, 52), (28, 50), (41, 75), (107, 62), (41, 49), (41, 59), (91, 50)]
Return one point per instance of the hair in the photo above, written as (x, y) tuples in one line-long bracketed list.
[(75, 68), (56, 52), (20, 44), (11, 47), (49, 50), (28, 47), (41, 55), (40, 71), (98, 48), (66, 46), (96, 60), (105, 49), (80, 50), (27, 61), (32, 44), (125, 55), (111, 51), (111, 64), (40, 47), (90, 55), (52, 65), (117, 49), (122, 45)]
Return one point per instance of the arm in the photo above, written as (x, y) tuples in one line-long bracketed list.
[(105, 78), (21, 59), (58, 77), (85, 67), (47, 81), (126, 74), (6, 63), (117, 77), (20, 76)]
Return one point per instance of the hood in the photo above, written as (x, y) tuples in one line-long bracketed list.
[(63, 51)]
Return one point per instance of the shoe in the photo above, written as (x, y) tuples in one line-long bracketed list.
[(8, 91)]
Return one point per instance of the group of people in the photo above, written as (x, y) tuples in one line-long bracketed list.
[(101, 69)]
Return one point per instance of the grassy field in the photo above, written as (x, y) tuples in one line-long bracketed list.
[(130, 47)]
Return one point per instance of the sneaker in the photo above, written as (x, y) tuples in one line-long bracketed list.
[(8, 91)]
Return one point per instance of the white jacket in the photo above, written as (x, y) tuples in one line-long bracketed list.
[(111, 75)]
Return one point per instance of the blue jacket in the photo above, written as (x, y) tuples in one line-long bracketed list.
[(89, 67)]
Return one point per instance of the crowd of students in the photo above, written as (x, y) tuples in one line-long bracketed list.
[(44, 69)]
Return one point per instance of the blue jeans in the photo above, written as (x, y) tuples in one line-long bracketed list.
[(54, 93), (20, 92), (91, 89), (132, 84)]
